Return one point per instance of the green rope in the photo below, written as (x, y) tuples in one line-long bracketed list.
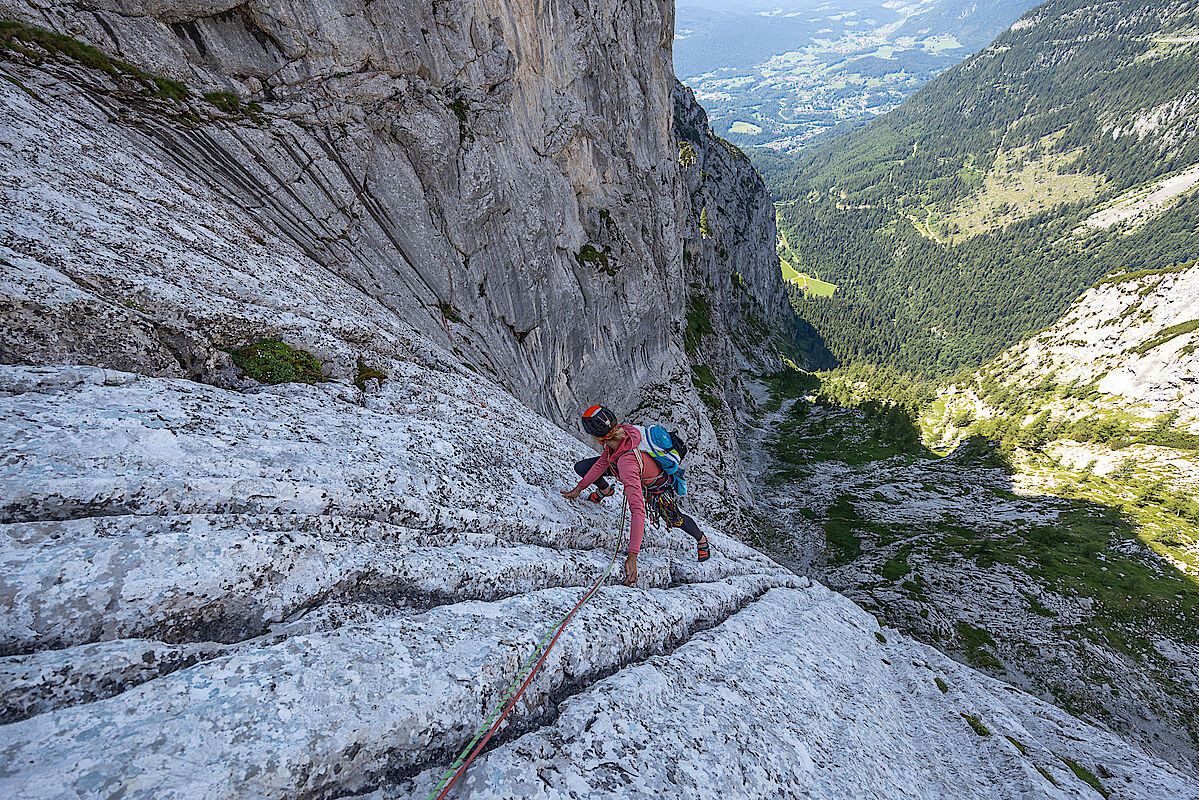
[(526, 669)]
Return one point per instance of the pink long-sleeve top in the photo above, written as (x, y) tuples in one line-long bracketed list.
[(631, 477)]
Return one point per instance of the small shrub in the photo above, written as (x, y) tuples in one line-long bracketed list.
[(459, 106), (365, 374), (596, 258), (270, 361), (687, 154), (1087, 471), (943, 686), (1085, 775), (977, 724), (1123, 470), (1154, 492), (449, 312)]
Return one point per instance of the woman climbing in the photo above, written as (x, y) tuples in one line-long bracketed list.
[(645, 483)]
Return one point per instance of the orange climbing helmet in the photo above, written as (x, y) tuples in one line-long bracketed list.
[(599, 421)]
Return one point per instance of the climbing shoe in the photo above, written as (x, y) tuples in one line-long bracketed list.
[(595, 497), (705, 552)]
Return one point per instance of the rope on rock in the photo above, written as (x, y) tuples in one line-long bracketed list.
[(520, 682)]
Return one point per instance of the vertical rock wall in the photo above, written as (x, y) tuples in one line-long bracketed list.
[(460, 161), (504, 177)]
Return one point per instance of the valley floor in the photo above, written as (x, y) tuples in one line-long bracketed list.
[(1055, 593)]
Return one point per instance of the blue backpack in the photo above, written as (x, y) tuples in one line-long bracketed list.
[(668, 449)]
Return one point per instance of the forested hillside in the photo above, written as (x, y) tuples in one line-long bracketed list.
[(967, 218)]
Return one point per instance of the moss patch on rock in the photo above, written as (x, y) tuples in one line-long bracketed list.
[(977, 725), (365, 374), (270, 361), (1085, 775), (38, 43), (600, 259)]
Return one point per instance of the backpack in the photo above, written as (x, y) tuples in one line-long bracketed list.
[(668, 449)]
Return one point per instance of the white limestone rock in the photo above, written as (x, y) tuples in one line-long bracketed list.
[(427, 575)]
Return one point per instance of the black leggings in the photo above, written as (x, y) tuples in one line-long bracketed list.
[(583, 467)]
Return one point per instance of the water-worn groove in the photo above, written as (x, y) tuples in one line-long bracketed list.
[(221, 622), (362, 588), (519, 725), (16, 705)]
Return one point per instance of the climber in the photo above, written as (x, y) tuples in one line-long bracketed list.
[(643, 481)]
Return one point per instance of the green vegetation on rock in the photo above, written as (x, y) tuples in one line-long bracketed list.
[(975, 642), (976, 724), (1085, 775), (1099, 565), (271, 361), (600, 259), (699, 322), (37, 43), (704, 379), (231, 104), (1166, 335), (687, 154), (840, 532), (367, 373)]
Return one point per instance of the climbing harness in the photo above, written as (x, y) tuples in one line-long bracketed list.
[(661, 498), (523, 678)]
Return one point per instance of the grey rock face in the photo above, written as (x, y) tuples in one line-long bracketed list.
[(731, 261), (506, 181), (457, 162)]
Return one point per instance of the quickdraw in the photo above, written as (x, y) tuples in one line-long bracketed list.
[(523, 678)]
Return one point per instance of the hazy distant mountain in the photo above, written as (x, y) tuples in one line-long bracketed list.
[(781, 74), (974, 23)]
